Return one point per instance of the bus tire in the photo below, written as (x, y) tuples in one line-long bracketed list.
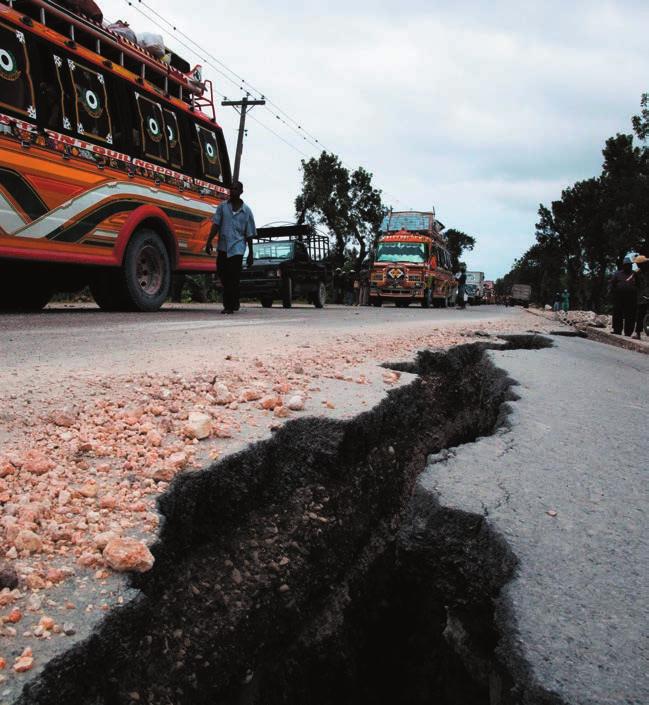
[(146, 271), (266, 301), (320, 296), (376, 301), (287, 292)]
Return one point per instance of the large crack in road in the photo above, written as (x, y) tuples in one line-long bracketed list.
[(306, 569)]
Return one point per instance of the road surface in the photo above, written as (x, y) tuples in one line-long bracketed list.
[(565, 485)]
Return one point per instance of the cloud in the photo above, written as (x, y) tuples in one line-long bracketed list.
[(482, 110)]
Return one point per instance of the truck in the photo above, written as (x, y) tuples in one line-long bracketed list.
[(520, 295), (410, 262), (475, 287), (290, 261)]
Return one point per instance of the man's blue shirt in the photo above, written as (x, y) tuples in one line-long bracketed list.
[(234, 227)]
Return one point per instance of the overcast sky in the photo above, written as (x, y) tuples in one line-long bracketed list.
[(480, 110)]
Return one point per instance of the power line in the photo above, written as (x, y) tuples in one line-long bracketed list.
[(296, 125), (205, 57), (240, 84)]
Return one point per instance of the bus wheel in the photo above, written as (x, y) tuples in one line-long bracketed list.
[(146, 271), (320, 296), (376, 301), (287, 293), (427, 300), (266, 301)]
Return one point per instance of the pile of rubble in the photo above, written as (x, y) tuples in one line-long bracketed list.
[(581, 318)]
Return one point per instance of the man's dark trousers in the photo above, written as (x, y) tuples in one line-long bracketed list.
[(642, 310), (624, 311), (229, 271)]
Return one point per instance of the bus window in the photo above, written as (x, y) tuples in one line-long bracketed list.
[(85, 105), (209, 154), (152, 129), (16, 87), (173, 139)]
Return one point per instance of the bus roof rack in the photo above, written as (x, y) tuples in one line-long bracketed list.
[(191, 89)]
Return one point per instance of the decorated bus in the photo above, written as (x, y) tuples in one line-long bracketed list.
[(111, 162), (411, 262)]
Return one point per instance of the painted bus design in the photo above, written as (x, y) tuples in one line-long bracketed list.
[(110, 165), (411, 262)]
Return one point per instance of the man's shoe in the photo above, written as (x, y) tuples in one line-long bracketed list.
[(227, 310)]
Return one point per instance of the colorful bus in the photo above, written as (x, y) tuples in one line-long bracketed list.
[(111, 163), (411, 262)]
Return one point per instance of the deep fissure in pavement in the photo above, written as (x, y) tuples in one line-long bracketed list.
[(306, 569)]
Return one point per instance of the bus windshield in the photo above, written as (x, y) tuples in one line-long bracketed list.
[(273, 250), (401, 252)]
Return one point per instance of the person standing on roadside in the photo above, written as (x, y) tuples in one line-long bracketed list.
[(556, 306), (565, 300), (642, 308), (234, 224), (461, 287), (624, 291)]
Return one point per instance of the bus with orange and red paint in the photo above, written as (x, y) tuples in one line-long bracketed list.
[(111, 162), (411, 262)]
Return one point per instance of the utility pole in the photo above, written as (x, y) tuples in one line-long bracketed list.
[(242, 107)]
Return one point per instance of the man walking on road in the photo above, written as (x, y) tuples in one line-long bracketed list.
[(461, 287), (624, 289), (234, 224), (643, 294)]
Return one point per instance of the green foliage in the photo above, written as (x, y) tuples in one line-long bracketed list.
[(345, 203), (582, 238), (458, 242)]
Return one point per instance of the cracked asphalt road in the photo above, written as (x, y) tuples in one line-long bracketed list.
[(577, 446)]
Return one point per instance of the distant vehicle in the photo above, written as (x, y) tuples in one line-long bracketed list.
[(474, 287), (520, 295), (111, 162), (289, 262), (411, 262)]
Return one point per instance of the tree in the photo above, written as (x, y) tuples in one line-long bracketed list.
[(457, 243), (582, 237), (346, 204)]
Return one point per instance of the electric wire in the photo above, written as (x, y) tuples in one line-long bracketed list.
[(221, 95), (240, 84), (252, 89)]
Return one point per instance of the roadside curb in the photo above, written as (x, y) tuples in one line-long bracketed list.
[(600, 335)]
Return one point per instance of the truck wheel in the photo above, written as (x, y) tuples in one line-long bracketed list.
[(266, 301), (428, 299), (320, 296), (287, 293), (646, 324), (376, 301)]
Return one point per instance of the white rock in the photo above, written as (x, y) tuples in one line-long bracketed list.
[(296, 403), (199, 425)]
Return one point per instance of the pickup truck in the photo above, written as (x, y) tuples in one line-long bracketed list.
[(288, 262)]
